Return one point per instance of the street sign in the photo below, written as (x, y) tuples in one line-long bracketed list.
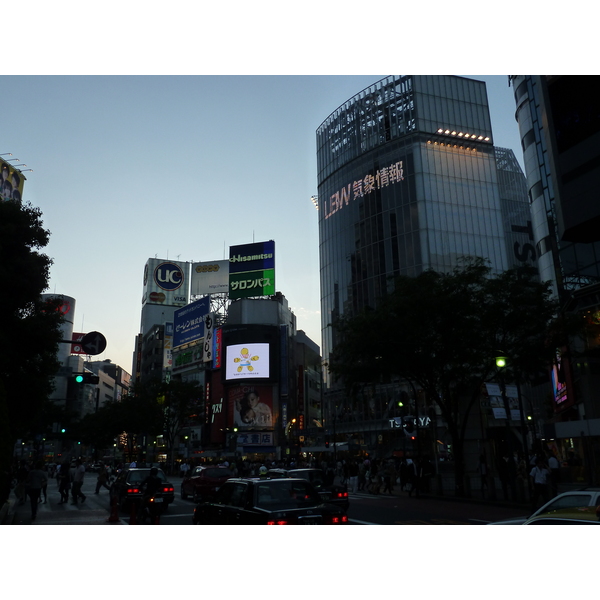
[(93, 343)]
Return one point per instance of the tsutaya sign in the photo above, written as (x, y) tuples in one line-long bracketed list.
[(384, 177), (419, 421)]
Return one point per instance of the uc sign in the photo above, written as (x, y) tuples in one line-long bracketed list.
[(168, 276)]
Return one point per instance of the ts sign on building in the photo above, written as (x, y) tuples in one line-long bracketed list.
[(166, 282)]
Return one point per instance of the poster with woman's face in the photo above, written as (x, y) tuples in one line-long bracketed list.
[(251, 406)]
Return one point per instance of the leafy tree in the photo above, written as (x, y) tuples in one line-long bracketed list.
[(175, 402), (441, 332), (30, 331)]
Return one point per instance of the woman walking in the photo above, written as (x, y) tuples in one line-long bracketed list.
[(64, 482)]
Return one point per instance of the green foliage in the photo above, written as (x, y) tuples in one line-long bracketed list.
[(30, 331), (441, 332)]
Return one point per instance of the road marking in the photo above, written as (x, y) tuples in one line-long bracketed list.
[(187, 514), (362, 522)]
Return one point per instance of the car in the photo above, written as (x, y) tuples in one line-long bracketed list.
[(575, 498), (263, 501), (127, 488), (581, 515), (277, 473), (203, 482), (334, 493)]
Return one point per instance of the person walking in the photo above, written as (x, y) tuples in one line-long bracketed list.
[(78, 482), (353, 476), (102, 480), (36, 480), (389, 477), (554, 467), (64, 482)]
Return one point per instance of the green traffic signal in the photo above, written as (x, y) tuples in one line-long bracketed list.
[(79, 378)]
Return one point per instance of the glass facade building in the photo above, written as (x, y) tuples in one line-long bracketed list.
[(409, 180)]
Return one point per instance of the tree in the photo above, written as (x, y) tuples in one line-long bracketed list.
[(441, 332), (30, 331), (177, 401)]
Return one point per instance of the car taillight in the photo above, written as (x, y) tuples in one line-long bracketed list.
[(342, 494), (168, 488), (339, 520), (133, 490), (280, 522)]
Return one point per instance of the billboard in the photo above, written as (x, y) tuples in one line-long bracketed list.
[(252, 270), (188, 322), (166, 282), (11, 182), (247, 361), (76, 345), (251, 406), (210, 277)]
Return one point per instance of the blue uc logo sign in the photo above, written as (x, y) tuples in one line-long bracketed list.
[(168, 276)]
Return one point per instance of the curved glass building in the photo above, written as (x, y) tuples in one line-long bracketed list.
[(409, 179)]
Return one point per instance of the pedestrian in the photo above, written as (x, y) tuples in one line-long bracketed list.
[(45, 489), (539, 476), (353, 476), (36, 480), (412, 479), (389, 478), (102, 480), (78, 482), (22, 473), (64, 482), (554, 467)]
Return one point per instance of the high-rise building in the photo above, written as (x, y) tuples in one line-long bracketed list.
[(559, 124), (409, 180)]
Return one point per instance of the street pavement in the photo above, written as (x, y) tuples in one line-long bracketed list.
[(96, 510)]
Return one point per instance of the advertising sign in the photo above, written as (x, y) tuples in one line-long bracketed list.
[(252, 270), (168, 347), (247, 361), (11, 182), (76, 345), (166, 282), (210, 277), (209, 326), (188, 322), (497, 402), (251, 406)]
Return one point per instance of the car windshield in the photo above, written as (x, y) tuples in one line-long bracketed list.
[(139, 476), (284, 494), (218, 472)]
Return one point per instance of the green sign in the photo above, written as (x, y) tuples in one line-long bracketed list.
[(252, 283)]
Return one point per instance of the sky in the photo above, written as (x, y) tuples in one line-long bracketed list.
[(126, 168)]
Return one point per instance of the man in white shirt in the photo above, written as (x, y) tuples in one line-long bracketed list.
[(539, 477), (78, 482)]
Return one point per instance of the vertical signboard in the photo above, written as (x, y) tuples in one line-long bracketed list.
[(209, 326), (189, 322), (252, 270)]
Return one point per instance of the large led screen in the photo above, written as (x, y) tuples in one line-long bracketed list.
[(247, 361)]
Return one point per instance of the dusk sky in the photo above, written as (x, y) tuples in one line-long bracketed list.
[(126, 168)]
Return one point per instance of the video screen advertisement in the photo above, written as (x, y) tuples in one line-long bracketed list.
[(250, 353), (252, 270), (251, 406)]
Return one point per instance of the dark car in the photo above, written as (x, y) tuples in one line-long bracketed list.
[(260, 501), (203, 482), (127, 487), (333, 493)]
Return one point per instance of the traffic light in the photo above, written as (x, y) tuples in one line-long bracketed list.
[(326, 443), (83, 378)]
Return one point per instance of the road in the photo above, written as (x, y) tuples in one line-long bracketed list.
[(365, 509)]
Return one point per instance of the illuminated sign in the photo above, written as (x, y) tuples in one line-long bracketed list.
[(382, 178), (247, 361)]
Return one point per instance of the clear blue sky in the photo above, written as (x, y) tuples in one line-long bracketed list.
[(129, 167)]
